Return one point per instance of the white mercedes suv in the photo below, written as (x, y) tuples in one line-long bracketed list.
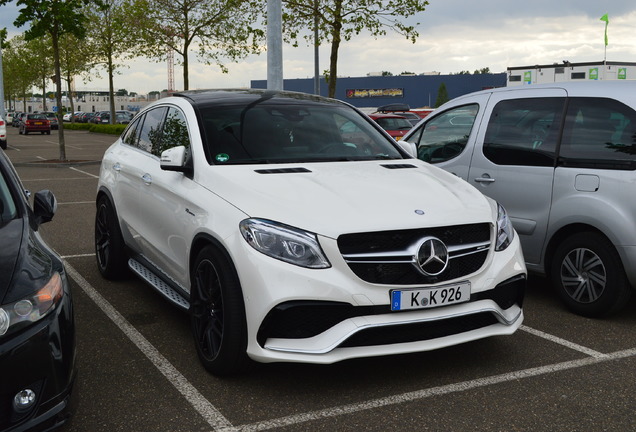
[(292, 228)]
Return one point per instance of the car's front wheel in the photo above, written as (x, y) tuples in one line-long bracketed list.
[(217, 313), (110, 252), (588, 275)]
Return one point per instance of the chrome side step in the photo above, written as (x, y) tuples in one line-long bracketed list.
[(157, 283)]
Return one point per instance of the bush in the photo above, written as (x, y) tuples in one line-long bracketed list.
[(97, 128)]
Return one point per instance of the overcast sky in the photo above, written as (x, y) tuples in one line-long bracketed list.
[(455, 35)]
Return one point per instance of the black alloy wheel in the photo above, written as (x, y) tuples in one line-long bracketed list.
[(217, 313), (110, 252), (588, 275)]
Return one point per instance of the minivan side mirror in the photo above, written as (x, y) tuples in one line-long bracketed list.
[(408, 147)]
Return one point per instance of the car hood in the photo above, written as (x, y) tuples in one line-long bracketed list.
[(25, 266), (332, 198)]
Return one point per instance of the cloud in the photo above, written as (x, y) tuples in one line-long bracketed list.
[(455, 35)]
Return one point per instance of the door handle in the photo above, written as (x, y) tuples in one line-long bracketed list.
[(485, 180), (147, 178)]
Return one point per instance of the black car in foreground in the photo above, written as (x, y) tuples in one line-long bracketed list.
[(37, 329)]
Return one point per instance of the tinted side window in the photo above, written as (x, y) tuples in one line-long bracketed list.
[(8, 208), (175, 132), (445, 136), (524, 131), (150, 134), (131, 137), (599, 132)]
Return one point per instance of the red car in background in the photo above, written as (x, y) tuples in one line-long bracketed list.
[(397, 126), (35, 123)]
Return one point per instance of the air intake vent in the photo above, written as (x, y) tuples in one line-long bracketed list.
[(282, 171), (399, 166)]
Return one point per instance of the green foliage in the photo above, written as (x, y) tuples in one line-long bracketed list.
[(219, 29), (115, 129), (341, 20), (442, 95)]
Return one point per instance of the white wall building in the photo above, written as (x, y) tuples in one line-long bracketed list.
[(567, 71)]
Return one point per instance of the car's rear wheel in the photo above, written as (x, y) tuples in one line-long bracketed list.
[(588, 275), (110, 251), (217, 313)]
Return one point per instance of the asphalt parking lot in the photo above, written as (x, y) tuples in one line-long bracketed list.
[(138, 369)]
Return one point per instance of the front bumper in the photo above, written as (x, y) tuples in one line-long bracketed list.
[(40, 358), (369, 328)]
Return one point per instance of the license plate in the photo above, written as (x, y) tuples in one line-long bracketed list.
[(425, 298), (38, 123)]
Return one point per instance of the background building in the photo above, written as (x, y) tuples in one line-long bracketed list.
[(567, 71), (417, 91)]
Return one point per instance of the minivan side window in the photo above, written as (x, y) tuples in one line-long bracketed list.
[(445, 136), (524, 131), (599, 132)]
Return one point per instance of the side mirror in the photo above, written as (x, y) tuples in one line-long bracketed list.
[(408, 147), (176, 159), (44, 206)]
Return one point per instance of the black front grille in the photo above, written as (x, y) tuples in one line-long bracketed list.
[(404, 273), (416, 332)]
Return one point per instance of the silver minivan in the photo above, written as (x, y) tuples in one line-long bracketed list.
[(561, 158)]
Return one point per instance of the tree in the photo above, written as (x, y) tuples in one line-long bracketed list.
[(75, 59), (39, 54), (485, 70), (54, 18), (219, 29), (442, 95), (19, 73), (341, 20), (109, 31)]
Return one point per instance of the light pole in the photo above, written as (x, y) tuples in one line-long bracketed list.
[(2, 112), (274, 45)]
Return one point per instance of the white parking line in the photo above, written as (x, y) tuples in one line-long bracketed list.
[(220, 424), (565, 343), (84, 172), (211, 415), (435, 391)]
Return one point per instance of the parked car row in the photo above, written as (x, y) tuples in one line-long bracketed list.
[(3, 134)]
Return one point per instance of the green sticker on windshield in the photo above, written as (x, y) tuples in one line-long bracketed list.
[(222, 157)]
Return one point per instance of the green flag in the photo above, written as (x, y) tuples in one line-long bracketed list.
[(606, 19)]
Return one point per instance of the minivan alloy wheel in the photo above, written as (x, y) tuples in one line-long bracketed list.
[(583, 275), (588, 274)]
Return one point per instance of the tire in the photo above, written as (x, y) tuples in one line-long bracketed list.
[(110, 251), (588, 275), (217, 313), (3, 145), (48, 132)]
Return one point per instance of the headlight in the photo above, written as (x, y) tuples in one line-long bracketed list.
[(284, 243), (33, 308), (505, 232)]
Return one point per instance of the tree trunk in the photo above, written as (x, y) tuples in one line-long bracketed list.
[(58, 94), (335, 45), (111, 88), (186, 82)]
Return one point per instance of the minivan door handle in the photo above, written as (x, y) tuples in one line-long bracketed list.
[(485, 179)]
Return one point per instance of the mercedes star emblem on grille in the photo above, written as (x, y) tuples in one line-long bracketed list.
[(432, 256)]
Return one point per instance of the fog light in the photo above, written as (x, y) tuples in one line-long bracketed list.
[(24, 400)]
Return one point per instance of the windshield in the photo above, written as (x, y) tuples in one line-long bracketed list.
[(269, 131)]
